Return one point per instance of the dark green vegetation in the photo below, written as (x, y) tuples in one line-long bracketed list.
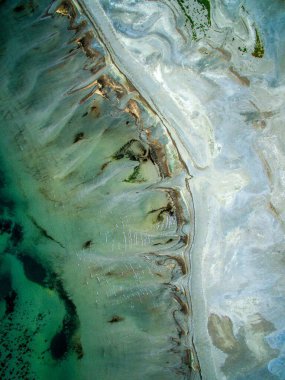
[(135, 176), (94, 220), (185, 6), (207, 5), (188, 17), (12, 237), (258, 51)]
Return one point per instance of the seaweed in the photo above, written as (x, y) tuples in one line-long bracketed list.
[(135, 177), (44, 232), (115, 319), (17, 234), (5, 284), (5, 226), (10, 300), (78, 137), (34, 271), (87, 244), (19, 8), (61, 343), (127, 151)]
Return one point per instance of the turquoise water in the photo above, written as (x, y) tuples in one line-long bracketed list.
[(96, 215), (116, 119)]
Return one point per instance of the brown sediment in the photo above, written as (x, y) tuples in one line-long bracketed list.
[(259, 124), (185, 239), (98, 66), (226, 54), (92, 84), (78, 349), (266, 166), (106, 81), (87, 244), (184, 306), (220, 329), (64, 9), (103, 167), (79, 27), (164, 209), (276, 213), (114, 273), (67, 9), (195, 361), (179, 212), (176, 206), (115, 319), (128, 151), (100, 92), (165, 242), (175, 340), (133, 109), (88, 96), (175, 288), (179, 260), (158, 156), (181, 330), (242, 79), (85, 43), (95, 109), (78, 137), (187, 357)]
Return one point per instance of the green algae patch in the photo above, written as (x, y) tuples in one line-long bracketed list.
[(198, 14), (206, 4), (258, 51), (188, 18), (136, 176), (242, 49)]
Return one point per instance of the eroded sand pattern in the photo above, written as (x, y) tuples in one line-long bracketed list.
[(142, 190)]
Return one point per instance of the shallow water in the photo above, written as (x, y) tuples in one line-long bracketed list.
[(96, 211)]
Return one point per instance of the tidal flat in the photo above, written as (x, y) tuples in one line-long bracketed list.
[(142, 190)]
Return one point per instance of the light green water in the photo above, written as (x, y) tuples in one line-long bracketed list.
[(95, 232)]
